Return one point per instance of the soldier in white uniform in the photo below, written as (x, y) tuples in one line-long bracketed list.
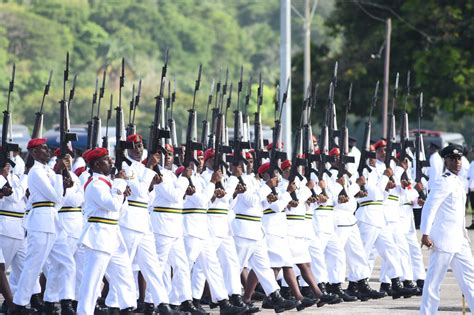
[(436, 164), (443, 229), (104, 247), (46, 238)]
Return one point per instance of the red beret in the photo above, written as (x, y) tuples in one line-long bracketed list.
[(80, 170), (208, 154), (169, 148), (248, 155), (135, 138), (179, 170), (263, 168), (33, 143), (279, 146), (372, 148), (93, 154), (200, 153), (285, 164), (317, 151), (334, 152), (379, 144)]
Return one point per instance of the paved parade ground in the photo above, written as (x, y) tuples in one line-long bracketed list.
[(451, 301)]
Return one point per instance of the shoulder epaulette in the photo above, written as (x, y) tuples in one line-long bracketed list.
[(446, 174)]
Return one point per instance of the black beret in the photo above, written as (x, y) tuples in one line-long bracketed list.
[(452, 149)]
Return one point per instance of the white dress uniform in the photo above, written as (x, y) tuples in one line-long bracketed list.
[(167, 223), (46, 239), (248, 231), (137, 232), (436, 169), (443, 221), (72, 222), (104, 247), (12, 233), (221, 242), (197, 240)]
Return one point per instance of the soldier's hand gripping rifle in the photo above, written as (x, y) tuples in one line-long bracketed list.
[(344, 157), (276, 155), (97, 125), (158, 129), (259, 153), (120, 142), (7, 146), (90, 123), (366, 153), (391, 137), (65, 136), (191, 132), (420, 157), (38, 126)]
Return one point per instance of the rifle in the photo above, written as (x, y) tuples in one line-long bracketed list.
[(296, 159), (344, 155), (7, 146), (258, 140), (191, 132), (366, 153), (105, 139), (275, 154), (90, 123), (64, 124), (97, 125), (332, 121), (132, 128), (308, 147), (421, 161), (391, 139), (120, 143), (245, 116), (172, 124), (215, 113), (158, 129), (205, 124), (72, 91), (404, 128)]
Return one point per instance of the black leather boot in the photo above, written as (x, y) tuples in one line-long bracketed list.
[(420, 283), (188, 306), (386, 287), (50, 308), (327, 298), (114, 311), (259, 293), (36, 302), (74, 305), (336, 288), (22, 310), (305, 303), (307, 292), (280, 304), (366, 292), (66, 307), (286, 293), (165, 309), (197, 304), (236, 300), (411, 285), (398, 290), (148, 308), (353, 290), (226, 308), (126, 311)]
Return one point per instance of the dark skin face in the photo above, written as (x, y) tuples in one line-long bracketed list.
[(250, 165), (168, 160), (453, 163), (380, 153), (136, 153), (210, 163), (40, 153), (102, 165)]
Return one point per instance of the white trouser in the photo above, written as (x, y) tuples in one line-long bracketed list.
[(120, 276), (416, 257), (373, 236), (254, 254), (356, 260), (404, 253), (229, 262), (462, 265), (42, 246), (326, 250), (203, 253), (170, 250), (141, 248)]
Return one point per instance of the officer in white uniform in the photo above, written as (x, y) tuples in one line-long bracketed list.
[(46, 238), (104, 247), (443, 229)]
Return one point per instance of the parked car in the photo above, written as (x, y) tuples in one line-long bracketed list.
[(20, 135), (440, 138)]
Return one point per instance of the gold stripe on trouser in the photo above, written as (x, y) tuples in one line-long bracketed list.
[(69, 209), (268, 211), (407, 204), (194, 211), (167, 210), (248, 217), (102, 220), (308, 216), (138, 204), (295, 217), (392, 197), (40, 204), (325, 208), (371, 203), (11, 214), (217, 211)]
